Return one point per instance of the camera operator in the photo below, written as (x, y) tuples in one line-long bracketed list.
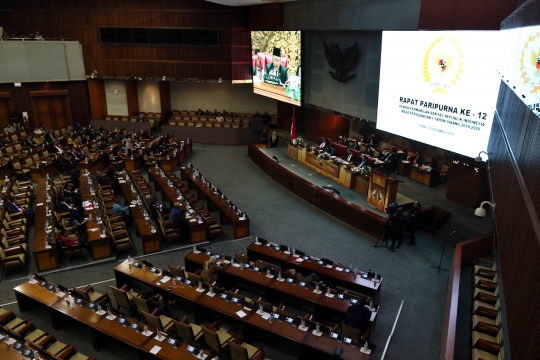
[(396, 219), (412, 219)]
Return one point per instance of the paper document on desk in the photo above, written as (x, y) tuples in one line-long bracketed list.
[(211, 294), (368, 351), (93, 229), (147, 333), (111, 317), (236, 265), (316, 333), (240, 313), (266, 316), (329, 295), (339, 269), (11, 341), (287, 252), (303, 328), (40, 204), (155, 349), (329, 266), (165, 279), (122, 181), (101, 312), (160, 338)]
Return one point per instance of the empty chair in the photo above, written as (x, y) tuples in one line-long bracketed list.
[(489, 297), (241, 258), (487, 325), (188, 331), (354, 334), (176, 270), (13, 257), (121, 241), (483, 341), (487, 310), (244, 351), (217, 340), (51, 345), (89, 294), (161, 322), (487, 272), (484, 355), (35, 335)]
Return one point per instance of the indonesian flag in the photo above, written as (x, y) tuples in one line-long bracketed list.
[(293, 126)]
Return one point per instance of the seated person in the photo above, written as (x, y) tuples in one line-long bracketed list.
[(210, 270), (220, 118), (416, 158), (14, 208), (363, 161), (322, 144), (349, 157), (266, 118), (67, 239), (154, 301), (391, 159), (331, 150), (358, 317), (199, 112), (9, 129), (103, 145)]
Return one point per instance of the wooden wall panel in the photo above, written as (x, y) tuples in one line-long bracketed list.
[(516, 221), (266, 17), (319, 124), (77, 93), (463, 14), (98, 99), (81, 21)]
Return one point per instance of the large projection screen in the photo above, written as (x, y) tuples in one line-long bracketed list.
[(439, 87), (276, 60)]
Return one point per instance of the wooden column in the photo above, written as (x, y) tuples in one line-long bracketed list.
[(132, 94), (98, 101), (165, 98)]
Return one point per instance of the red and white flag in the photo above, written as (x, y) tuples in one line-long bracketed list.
[(293, 126)]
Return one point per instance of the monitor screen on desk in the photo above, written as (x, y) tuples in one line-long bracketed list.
[(276, 65)]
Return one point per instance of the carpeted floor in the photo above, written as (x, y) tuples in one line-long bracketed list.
[(282, 217)]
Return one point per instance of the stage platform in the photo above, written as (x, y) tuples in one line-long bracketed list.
[(319, 180)]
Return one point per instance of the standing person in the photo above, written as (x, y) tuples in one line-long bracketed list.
[(396, 221), (358, 316), (210, 270), (274, 139), (264, 137), (412, 220)]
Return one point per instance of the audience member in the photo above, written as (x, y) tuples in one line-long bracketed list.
[(274, 139)]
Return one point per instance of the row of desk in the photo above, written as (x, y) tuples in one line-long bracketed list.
[(197, 232), (151, 240), (100, 247), (45, 256), (102, 329), (275, 291), (215, 202), (206, 305), (332, 275)]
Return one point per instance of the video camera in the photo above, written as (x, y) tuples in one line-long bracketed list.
[(392, 208)]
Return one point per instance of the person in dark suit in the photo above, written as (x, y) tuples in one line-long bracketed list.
[(264, 137), (276, 73), (322, 144), (349, 157), (55, 148), (358, 316), (391, 160), (363, 161), (15, 209), (28, 142), (412, 220), (331, 150), (372, 141), (416, 158)]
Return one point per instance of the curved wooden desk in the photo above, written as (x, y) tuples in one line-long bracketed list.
[(352, 214)]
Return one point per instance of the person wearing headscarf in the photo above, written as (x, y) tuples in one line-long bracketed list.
[(274, 139), (210, 270)]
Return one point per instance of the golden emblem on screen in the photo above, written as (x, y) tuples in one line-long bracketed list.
[(443, 64), (529, 63)]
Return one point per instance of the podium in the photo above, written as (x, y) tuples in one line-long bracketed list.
[(382, 190)]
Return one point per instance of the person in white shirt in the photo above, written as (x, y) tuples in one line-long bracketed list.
[(38, 36), (9, 129), (220, 118)]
